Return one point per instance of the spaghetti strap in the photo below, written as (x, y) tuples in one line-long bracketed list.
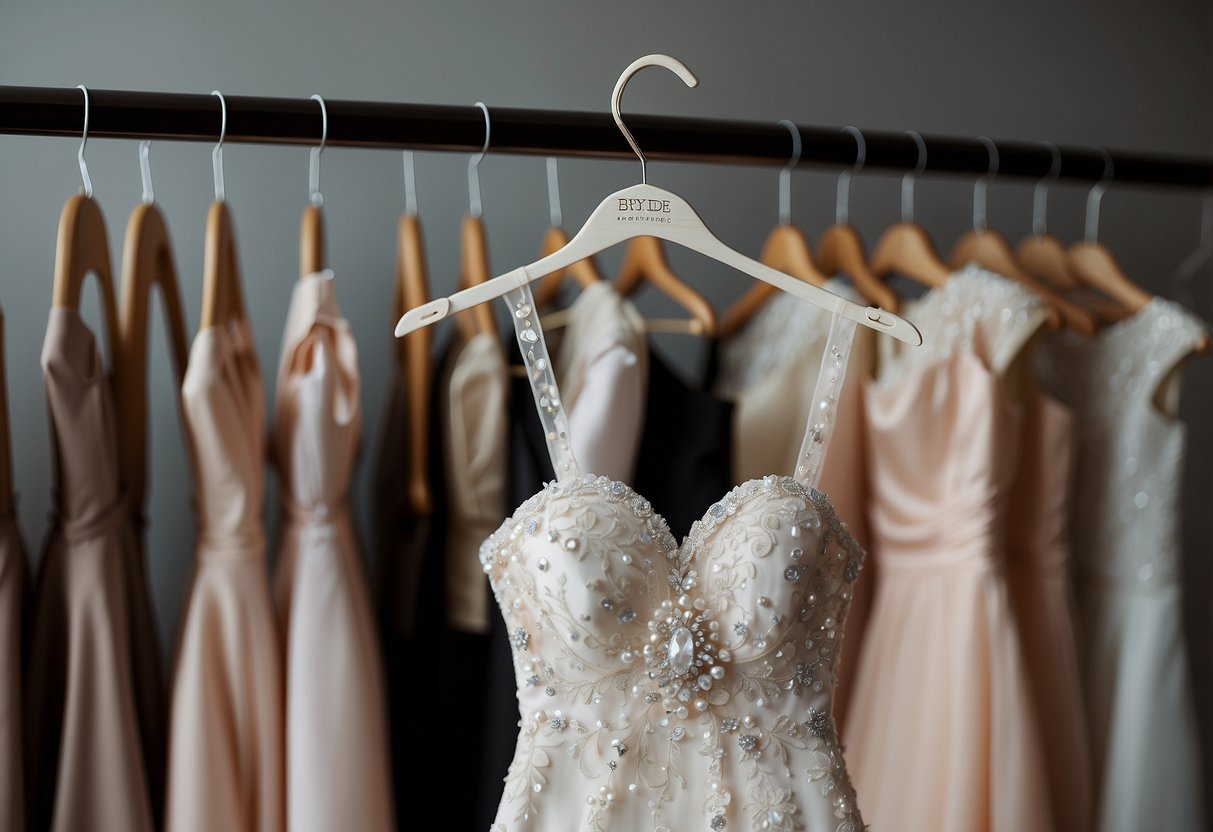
[(542, 378), (824, 412)]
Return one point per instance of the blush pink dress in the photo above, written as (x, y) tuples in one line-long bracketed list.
[(942, 733), (338, 776), (84, 762), (226, 768), (1038, 553)]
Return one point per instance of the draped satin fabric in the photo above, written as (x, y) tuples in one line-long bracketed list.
[(1038, 544), (338, 775), (226, 767), (13, 584), (84, 761), (941, 735), (770, 369)]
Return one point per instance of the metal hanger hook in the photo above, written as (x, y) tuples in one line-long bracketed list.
[(313, 166), (475, 206), (982, 185), (1095, 196), (1040, 194), (657, 59), (145, 172), (217, 153), (88, 180), (907, 181), (842, 192), (1180, 283), (785, 175), (410, 185), (554, 212)]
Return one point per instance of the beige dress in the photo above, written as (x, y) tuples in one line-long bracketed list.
[(226, 767), (338, 775), (13, 581), (84, 764), (770, 368)]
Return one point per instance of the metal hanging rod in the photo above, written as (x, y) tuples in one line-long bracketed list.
[(123, 114)]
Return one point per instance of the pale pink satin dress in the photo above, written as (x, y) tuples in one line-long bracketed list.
[(84, 762), (1038, 544), (338, 775), (942, 734), (226, 769)]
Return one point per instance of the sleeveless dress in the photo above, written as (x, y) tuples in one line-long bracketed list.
[(764, 368), (335, 708), (942, 734), (667, 687), (84, 761), (1125, 527), (225, 757)]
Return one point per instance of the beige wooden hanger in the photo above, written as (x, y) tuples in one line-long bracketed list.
[(585, 272), (644, 261), (645, 209), (991, 250), (473, 246), (312, 241), (841, 248), (413, 353), (1040, 253), (906, 248), (1093, 264), (786, 249), (147, 262), (6, 459), (222, 295)]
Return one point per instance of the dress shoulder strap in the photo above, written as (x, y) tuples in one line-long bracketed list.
[(542, 377), (824, 411)]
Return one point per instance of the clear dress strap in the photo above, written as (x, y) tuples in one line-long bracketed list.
[(542, 377), (824, 413)]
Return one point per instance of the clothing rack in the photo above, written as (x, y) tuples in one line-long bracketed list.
[(124, 114)]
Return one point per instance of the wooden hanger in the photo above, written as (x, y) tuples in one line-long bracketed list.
[(1040, 253), (906, 248), (585, 272), (6, 459), (644, 261), (222, 295), (643, 210), (786, 249), (83, 249), (841, 249), (312, 242), (147, 262), (412, 289), (1093, 265)]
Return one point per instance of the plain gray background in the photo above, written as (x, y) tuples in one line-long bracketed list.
[(1130, 74)]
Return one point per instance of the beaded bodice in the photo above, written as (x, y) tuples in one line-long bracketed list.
[(675, 687)]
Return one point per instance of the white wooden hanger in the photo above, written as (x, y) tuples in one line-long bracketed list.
[(645, 210)]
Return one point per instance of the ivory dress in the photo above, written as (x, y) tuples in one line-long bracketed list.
[(338, 775), (769, 369), (942, 733), (1125, 525), (84, 762), (226, 768), (664, 686), (13, 585)]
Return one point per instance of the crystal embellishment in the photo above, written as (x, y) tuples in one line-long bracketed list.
[(681, 651)]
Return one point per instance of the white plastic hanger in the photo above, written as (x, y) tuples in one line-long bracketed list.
[(642, 210)]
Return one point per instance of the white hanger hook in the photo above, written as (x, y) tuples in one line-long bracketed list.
[(475, 206), (982, 185), (673, 65), (1095, 196), (88, 180), (145, 172), (217, 153), (785, 175), (1181, 280), (907, 181), (1040, 194), (410, 185), (313, 166), (842, 196), (554, 212)]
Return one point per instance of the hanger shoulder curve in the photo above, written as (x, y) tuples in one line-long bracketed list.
[(622, 215), (474, 271), (83, 249), (585, 272), (841, 251), (990, 250), (222, 294), (412, 289), (645, 260), (787, 249), (1094, 265), (313, 247), (906, 248)]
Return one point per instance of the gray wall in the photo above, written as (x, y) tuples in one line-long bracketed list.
[(1131, 75)]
